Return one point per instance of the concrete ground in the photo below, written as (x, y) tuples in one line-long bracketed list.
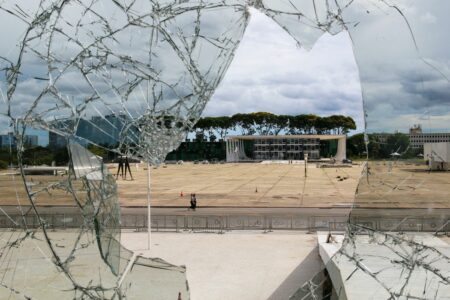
[(390, 185), (28, 269), (224, 185), (242, 185), (407, 185), (445, 239), (245, 265)]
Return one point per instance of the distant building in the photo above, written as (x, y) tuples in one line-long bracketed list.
[(281, 147), (416, 129), (102, 130), (417, 138), (31, 140), (8, 140), (56, 141)]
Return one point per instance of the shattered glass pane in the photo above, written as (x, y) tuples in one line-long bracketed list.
[(133, 76), (401, 51), (130, 76), (137, 73), (71, 262)]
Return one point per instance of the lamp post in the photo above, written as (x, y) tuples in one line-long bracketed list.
[(149, 219), (306, 165)]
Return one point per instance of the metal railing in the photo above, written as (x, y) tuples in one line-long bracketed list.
[(223, 223)]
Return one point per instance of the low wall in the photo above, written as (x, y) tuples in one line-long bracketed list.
[(221, 223)]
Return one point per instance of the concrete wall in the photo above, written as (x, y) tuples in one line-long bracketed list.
[(341, 153)]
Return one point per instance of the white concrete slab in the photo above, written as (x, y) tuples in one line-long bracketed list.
[(380, 267), (240, 265)]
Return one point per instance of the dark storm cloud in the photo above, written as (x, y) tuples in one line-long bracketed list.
[(399, 96), (432, 89)]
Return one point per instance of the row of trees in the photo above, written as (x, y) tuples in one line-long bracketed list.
[(34, 156), (264, 123), (39, 155), (394, 143)]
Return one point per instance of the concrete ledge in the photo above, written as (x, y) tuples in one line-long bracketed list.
[(373, 267), (328, 250)]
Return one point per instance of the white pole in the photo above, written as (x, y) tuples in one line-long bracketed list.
[(306, 164), (149, 219)]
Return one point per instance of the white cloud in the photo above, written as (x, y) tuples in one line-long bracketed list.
[(428, 18), (404, 68), (271, 73)]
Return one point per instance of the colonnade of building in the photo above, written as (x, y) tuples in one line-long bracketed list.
[(341, 152), (235, 146), (235, 150)]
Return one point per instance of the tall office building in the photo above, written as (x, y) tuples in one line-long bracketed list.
[(56, 141), (8, 140)]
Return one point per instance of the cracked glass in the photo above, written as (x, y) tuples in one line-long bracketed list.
[(133, 77)]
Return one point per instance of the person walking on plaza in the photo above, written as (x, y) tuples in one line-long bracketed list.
[(127, 167), (194, 201), (120, 169)]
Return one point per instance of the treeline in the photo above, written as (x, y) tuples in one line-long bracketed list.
[(36, 156), (264, 123), (381, 149)]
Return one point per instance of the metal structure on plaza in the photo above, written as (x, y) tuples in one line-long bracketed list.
[(140, 72)]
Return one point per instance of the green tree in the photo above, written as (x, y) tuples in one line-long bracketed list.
[(346, 124), (263, 122), (37, 156), (201, 127), (3, 165), (244, 122), (223, 125), (97, 150), (397, 142), (281, 123), (303, 124), (324, 125), (356, 147)]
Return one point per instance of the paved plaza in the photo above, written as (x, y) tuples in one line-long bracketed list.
[(243, 185), (403, 185), (253, 185)]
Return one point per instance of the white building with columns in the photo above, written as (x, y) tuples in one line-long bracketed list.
[(281, 147)]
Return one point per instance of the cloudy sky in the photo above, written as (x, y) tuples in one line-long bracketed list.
[(271, 73), (404, 66)]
